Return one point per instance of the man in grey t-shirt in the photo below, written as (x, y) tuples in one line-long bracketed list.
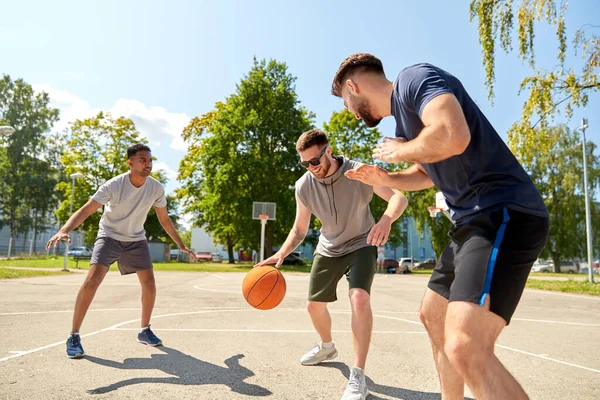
[(346, 246), (127, 199)]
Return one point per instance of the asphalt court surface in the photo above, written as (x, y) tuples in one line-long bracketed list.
[(218, 347)]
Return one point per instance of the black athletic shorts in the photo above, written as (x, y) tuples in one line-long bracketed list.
[(490, 255)]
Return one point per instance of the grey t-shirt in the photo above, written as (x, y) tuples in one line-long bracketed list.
[(486, 175), (126, 207), (342, 206)]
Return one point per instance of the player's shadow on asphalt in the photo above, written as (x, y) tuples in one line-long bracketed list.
[(187, 370), (374, 388)]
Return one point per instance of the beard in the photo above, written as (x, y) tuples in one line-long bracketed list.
[(364, 112), (325, 166)]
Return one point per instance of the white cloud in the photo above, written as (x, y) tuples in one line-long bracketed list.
[(169, 172), (156, 124)]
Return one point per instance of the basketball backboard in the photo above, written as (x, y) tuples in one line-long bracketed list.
[(262, 208)]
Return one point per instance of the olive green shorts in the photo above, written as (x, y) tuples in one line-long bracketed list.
[(358, 266)]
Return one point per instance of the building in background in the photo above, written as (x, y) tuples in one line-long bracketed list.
[(25, 244), (418, 245)]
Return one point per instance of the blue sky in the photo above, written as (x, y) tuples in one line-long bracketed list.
[(163, 62)]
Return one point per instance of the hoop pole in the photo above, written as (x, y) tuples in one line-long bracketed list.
[(263, 225)]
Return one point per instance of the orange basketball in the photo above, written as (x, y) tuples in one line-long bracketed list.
[(264, 287)]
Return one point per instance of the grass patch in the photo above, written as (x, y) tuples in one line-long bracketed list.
[(421, 271), (58, 262), (570, 286), (7, 273)]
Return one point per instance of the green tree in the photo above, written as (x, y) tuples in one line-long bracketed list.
[(351, 137), (559, 176), (243, 151), (24, 193), (550, 91), (153, 227), (186, 237), (98, 149)]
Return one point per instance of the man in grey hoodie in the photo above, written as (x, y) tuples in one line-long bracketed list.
[(347, 246)]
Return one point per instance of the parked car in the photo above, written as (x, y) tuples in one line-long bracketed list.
[(216, 257), (586, 270), (293, 259), (406, 262), (174, 254), (427, 264), (390, 265), (204, 255), (80, 252), (569, 267), (394, 267)]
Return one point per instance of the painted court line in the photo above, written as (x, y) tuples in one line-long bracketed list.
[(555, 322), (113, 327), (256, 330), (543, 357), (576, 296), (99, 310), (119, 325)]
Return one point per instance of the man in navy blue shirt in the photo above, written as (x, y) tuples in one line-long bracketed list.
[(500, 217)]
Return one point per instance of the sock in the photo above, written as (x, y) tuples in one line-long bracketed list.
[(327, 345), (359, 370), (74, 333), (143, 329)]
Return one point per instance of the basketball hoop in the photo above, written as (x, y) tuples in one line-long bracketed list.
[(263, 217), (433, 211)]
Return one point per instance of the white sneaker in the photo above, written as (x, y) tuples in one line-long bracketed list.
[(357, 385), (318, 354)]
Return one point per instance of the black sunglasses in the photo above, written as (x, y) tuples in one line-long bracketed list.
[(313, 161)]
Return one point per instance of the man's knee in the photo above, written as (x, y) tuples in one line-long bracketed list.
[(94, 277), (466, 349), (360, 300), (433, 311), (315, 306)]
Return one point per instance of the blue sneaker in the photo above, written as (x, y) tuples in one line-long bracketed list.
[(148, 337), (74, 348)]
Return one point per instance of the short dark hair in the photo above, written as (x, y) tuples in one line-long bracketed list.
[(132, 150), (311, 138), (359, 62)]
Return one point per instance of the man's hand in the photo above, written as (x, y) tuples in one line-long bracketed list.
[(388, 150), (380, 232), (54, 240), (276, 259), (189, 252), (372, 175)]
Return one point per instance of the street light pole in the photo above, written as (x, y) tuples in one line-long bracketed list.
[(588, 217), (74, 176), (8, 130)]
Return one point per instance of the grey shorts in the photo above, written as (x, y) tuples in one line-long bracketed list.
[(131, 256)]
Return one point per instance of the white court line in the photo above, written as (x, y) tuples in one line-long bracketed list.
[(400, 312), (116, 326), (68, 311), (577, 296), (98, 309), (543, 357), (398, 319), (62, 342), (255, 330), (555, 322), (216, 276), (206, 289)]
